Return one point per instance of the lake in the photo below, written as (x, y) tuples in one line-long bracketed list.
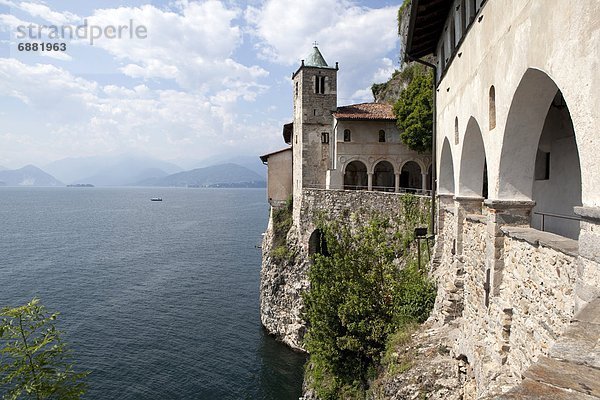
[(159, 300)]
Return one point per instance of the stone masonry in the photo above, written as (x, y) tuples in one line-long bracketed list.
[(284, 281), (513, 291)]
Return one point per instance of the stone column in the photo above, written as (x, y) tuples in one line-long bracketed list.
[(501, 213), (396, 182), (369, 181), (464, 205), (587, 284), (423, 181)]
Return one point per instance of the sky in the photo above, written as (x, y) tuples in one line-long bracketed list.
[(185, 80)]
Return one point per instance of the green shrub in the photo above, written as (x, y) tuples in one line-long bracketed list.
[(358, 297)]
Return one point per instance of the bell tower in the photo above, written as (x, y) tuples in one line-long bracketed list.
[(315, 99)]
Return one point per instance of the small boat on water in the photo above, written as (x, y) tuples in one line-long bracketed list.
[(156, 199)]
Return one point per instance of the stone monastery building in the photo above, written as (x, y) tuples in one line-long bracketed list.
[(516, 172), (517, 154), (355, 147)]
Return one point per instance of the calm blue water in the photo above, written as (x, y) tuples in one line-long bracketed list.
[(158, 299)]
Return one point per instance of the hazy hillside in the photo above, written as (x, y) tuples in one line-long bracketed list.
[(110, 170), (253, 163), (29, 175), (224, 175)]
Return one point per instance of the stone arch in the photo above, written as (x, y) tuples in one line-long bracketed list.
[(473, 164), (539, 159), (317, 244), (355, 175), (383, 176), (522, 131), (446, 170), (410, 176)]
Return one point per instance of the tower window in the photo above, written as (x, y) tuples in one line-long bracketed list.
[(320, 84), (381, 136), (296, 89), (347, 135), (492, 108), (455, 130), (324, 137)]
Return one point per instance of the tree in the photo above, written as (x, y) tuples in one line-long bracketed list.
[(414, 110), (359, 296), (34, 361)]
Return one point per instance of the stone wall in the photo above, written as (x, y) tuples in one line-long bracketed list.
[(538, 287), (510, 290), (284, 280), (447, 273)]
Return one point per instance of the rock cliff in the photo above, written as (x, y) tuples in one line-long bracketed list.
[(283, 278)]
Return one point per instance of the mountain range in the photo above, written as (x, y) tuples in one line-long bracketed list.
[(118, 170), (223, 175), (29, 175), (136, 173)]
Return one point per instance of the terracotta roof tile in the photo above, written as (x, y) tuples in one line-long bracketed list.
[(365, 111)]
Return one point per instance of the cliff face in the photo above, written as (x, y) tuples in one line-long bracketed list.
[(283, 278)]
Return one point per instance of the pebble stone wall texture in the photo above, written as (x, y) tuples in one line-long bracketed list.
[(534, 288)]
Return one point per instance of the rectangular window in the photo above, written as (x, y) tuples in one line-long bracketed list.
[(381, 136), (324, 137), (472, 10), (347, 135), (542, 166)]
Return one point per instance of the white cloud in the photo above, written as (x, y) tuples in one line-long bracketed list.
[(81, 117), (360, 38), (44, 12), (192, 45)]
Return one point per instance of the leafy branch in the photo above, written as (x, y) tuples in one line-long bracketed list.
[(34, 361)]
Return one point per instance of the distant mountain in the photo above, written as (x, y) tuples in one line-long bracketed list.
[(253, 163), (29, 175), (224, 175), (110, 170), (148, 174)]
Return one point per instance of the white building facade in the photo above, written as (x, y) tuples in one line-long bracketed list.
[(518, 170)]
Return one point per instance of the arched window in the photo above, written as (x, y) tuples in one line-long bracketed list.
[(383, 177), (347, 135), (320, 84), (317, 243), (355, 176), (456, 130), (492, 113), (410, 177), (381, 136)]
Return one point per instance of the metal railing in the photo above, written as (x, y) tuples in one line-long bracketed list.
[(386, 189), (543, 216)]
